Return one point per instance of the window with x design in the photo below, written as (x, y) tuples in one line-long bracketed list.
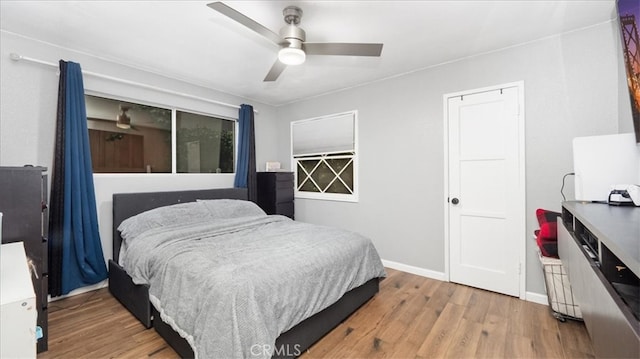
[(324, 156)]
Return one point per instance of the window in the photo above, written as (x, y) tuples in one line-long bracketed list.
[(203, 144), (127, 137), (324, 155)]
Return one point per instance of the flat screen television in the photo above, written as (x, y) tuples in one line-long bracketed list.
[(629, 13)]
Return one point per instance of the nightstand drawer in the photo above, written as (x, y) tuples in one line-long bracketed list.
[(285, 209), (284, 195), (284, 178), (275, 193)]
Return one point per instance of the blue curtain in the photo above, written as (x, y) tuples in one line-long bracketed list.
[(56, 201), (246, 176), (75, 240)]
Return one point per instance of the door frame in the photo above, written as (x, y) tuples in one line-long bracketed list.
[(522, 248)]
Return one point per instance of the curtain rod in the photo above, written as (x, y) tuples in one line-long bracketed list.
[(18, 57)]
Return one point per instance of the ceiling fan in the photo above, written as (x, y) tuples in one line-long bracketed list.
[(293, 48)]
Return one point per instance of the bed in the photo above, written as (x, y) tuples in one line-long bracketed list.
[(140, 300)]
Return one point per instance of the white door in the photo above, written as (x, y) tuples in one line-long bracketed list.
[(486, 189)]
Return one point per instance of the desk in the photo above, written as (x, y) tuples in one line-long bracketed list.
[(599, 245)]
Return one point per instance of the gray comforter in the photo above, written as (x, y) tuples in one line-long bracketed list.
[(232, 286)]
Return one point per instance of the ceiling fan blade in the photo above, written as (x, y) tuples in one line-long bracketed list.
[(275, 71), (251, 24), (344, 49)]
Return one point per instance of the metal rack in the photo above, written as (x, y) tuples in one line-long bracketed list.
[(561, 299)]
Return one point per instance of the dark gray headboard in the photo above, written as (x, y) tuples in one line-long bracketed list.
[(126, 205)]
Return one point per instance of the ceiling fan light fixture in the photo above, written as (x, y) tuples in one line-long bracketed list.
[(122, 120), (291, 56)]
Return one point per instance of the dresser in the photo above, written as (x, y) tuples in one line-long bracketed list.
[(275, 193), (23, 202)]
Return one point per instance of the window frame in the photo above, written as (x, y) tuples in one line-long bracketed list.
[(341, 197), (174, 110), (174, 140)]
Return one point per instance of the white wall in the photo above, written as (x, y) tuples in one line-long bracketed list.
[(571, 89), (28, 98)]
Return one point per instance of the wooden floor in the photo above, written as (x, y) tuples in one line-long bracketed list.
[(411, 317)]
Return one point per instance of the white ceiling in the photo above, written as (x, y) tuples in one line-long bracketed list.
[(188, 41)]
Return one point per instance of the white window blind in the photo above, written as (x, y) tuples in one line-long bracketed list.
[(324, 156), (332, 134)]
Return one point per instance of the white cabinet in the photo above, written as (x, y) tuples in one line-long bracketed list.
[(18, 311)]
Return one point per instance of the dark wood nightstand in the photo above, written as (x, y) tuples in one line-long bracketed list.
[(275, 193)]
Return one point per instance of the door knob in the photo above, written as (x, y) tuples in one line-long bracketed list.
[(455, 200)]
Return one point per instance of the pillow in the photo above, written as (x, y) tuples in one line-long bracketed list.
[(182, 213), (547, 235), (548, 221), (549, 231), (545, 216), (231, 208), (547, 239)]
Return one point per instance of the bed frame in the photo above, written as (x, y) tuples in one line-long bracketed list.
[(136, 297)]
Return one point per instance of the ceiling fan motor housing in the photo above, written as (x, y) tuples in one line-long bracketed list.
[(291, 32), (295, 35)]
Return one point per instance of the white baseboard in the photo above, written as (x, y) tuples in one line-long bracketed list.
[(90, 288), (529, 296), (415, 270), (536, 298)]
